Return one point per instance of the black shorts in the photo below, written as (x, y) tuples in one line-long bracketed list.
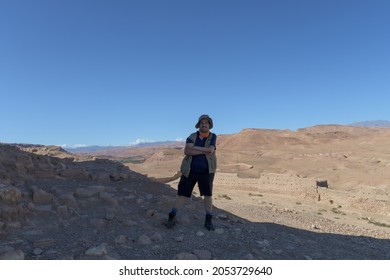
[(204, 180)]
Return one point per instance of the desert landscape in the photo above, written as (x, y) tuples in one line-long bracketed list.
[(111, 204)]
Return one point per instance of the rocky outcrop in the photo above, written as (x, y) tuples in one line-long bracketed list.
[(39, 188), (20, 166)]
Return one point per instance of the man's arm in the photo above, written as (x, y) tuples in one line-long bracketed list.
[(191, 150)]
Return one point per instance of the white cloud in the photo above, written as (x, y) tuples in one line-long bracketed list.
[(73, 146), (141, 141), (149, 141)]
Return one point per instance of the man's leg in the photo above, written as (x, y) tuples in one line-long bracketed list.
[(185, 187), (206, 189), (179, 202), (208, 204)]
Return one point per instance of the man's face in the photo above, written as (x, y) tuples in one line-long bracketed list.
[(204, 125)]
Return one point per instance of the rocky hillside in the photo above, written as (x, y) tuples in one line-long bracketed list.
[(54, 205)]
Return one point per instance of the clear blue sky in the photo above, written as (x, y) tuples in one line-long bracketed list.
[(111, 72)]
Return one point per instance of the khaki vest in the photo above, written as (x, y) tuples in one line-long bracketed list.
[(211, 159)]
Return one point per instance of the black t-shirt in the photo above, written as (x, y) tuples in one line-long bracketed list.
[(199, 162)]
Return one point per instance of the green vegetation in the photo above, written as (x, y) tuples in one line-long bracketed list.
[(254, 194), (321, 211), (225, 196), (337, 211), (379, 224), (371, 221), (134, 160)]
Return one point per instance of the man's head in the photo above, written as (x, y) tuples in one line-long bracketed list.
[(205, 123)]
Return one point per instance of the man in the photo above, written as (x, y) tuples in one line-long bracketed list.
[(198, 166)]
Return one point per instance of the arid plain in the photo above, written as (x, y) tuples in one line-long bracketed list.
[(259, 169)]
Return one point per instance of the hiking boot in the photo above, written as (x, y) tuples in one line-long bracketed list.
[(171, 220), (208, 223)]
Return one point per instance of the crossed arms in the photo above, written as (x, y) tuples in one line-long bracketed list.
[(191, 150)]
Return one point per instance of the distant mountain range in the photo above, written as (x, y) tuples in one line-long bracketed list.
[(90, 149), (378, 123)]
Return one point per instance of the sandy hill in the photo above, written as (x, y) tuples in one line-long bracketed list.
[(344, 155), (56, 205)]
